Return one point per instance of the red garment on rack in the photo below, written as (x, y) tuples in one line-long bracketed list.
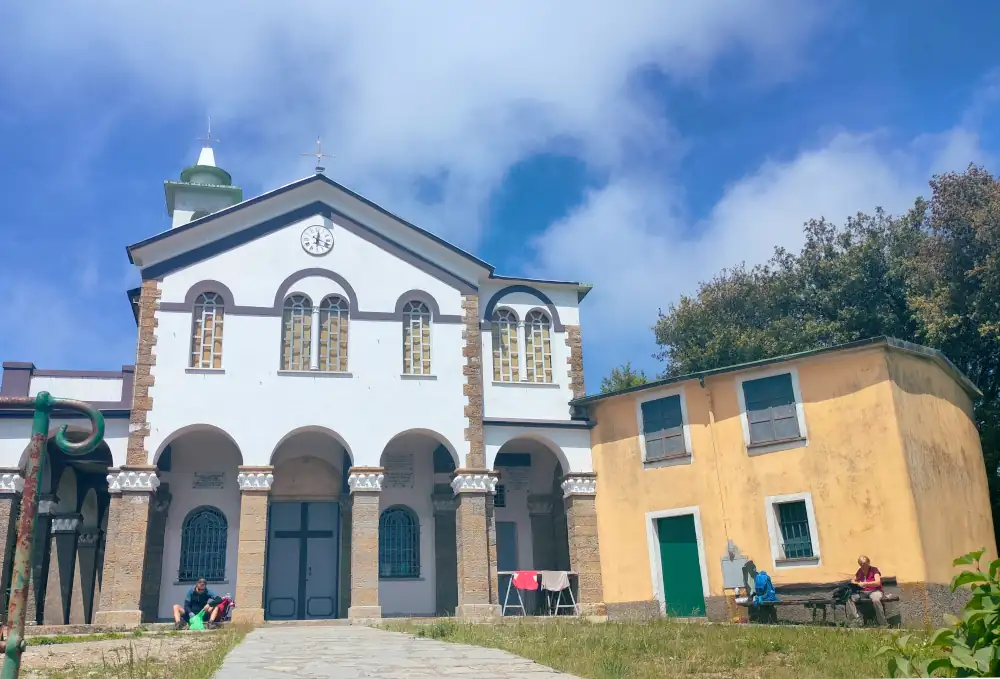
[(527, 580)]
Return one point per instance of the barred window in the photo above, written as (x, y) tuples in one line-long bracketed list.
[(206, 340), (296, 344), (398, 543), (333, 318), (203, 545), (416, 339), (506, 367), (538, 347)]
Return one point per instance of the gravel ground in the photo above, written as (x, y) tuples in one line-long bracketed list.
[(86, 658)]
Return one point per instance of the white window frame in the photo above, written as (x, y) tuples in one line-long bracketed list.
[(763, 449), (655, 395), (516, 375), (653, 547), (771, 503), (430, 338), (218, 304), (523, 348)]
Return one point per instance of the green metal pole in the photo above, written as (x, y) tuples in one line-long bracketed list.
[(43, 404)]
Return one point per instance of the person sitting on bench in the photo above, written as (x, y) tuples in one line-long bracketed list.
[(199, 598), (869, 579)]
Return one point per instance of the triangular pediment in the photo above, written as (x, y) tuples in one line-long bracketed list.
[(255, 218)]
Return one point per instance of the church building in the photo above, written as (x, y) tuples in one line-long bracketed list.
[(332, 413)]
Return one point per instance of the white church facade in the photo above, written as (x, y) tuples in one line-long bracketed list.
[(332, 413)]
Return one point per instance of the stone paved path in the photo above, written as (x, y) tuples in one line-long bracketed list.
[(353, 652)]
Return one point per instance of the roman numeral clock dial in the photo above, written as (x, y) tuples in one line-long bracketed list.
[(317, 240)]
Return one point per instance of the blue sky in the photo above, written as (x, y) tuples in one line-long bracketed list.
[(639, 149)]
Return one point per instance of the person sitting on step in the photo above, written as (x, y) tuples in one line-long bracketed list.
[(869, 580), (199, 598)]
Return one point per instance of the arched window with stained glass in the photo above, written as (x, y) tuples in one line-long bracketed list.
[(538, 346), (296, 338), (203, 545), (416, 339), (206, 335), (506, 366), (333, 321), (398, 543)]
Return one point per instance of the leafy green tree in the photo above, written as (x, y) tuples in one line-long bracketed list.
[(930, 276), (623, 377)]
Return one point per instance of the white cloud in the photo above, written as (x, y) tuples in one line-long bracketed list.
[(627, 239), (463, 91), (400, 90)]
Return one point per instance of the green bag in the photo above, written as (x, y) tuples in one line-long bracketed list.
[(197, 621)]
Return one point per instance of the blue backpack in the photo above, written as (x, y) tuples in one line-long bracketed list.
[(763, 588)]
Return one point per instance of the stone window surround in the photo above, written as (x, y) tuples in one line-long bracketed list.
[(771, 503), (653, 395), (761, 449), (653, 548)]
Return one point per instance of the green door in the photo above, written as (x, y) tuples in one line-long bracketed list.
[(679, 561)]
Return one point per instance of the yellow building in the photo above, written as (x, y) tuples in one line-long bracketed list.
[(803, 462)]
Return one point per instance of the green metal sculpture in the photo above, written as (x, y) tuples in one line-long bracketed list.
[(43, 404)]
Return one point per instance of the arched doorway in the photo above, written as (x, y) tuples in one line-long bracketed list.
[(417, 552), (528, 505), (194, 525), (308, 541)]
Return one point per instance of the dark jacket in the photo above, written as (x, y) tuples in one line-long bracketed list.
[(195, 600)]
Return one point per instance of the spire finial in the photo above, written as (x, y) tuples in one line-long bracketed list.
[(208, 139), (319, 156)]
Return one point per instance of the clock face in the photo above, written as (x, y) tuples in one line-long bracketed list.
[(317, 240)]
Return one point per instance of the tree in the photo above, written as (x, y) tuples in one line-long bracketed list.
[(623, 377), (931, 276)]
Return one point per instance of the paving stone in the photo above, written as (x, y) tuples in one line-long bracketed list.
[(356, 652)]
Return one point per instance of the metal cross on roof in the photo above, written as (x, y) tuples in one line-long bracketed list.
[(319, 156), (208, 139)]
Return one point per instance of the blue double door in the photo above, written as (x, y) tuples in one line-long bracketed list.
[(303, 561)]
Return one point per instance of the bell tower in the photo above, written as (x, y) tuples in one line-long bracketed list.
[(204, 188)]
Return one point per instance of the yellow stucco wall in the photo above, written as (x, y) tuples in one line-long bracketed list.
[(945, 463), (854, 467)]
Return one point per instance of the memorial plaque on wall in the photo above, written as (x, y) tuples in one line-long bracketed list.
[(399, 470), (516, 478), (209, 480)]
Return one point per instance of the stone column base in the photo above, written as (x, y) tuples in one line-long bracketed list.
[(126, 619), (477, 611), (248, 616), (592, 609), (364, 613)]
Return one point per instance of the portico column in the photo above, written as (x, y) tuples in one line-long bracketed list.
[(41, 553), (475, 543), (580, 495), (255, 485), (131, 491), (62, 563), (11, 485), (81, 610), (366, 485)]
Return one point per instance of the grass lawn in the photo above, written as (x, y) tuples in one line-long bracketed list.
[(664, 649), (171, 655)]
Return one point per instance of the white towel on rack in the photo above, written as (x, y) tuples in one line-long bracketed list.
[(555, 581)]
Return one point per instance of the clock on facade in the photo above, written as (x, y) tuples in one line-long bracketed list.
[(317, 240)]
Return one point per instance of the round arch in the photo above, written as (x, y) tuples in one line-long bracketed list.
[(318, 429), (190, 429), (430, 433), (545, 441)]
